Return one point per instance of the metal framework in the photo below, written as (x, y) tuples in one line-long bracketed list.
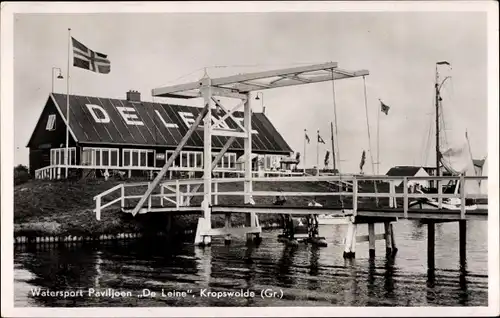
[(241, 87)]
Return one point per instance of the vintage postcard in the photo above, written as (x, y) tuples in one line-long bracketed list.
[(249, 159)]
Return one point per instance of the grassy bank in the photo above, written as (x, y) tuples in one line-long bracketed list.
[(59, 208)]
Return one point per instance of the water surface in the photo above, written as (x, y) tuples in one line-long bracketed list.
[(301, 276)]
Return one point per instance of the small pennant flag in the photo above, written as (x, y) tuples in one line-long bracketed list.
[(85, 58), (307, 137), (384, 108), (320, 140), (362, 163), (443, 63)]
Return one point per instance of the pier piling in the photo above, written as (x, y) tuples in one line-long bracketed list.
[(430, 245), (463, 243), (388, 238), (350, 241), (393, 241), (371, 239)]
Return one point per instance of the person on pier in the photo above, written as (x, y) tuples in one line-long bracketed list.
[(280, 199)]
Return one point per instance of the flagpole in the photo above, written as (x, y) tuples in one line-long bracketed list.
[(378, 140), (333, 149), (305, 141), (67, 105)]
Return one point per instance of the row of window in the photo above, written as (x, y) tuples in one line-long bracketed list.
[(57, 156), (147, 158)]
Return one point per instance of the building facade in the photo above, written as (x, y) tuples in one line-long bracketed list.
[(138, 136)]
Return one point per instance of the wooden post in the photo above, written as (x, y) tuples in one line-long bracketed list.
[(247, 122), (371, 239), (393, 241), (122, 189), (405, 197), (350, 241), (440, 192), (462, 197), (149, 198), (391, 194), (177, 194), (98, 208), (388, 244), (227, 239), (354, 196), (216, 189), (206, 92), (462, 224), (353, 242), (248, 148), (430, 245), (162, 192)]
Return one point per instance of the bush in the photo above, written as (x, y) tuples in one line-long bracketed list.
[(21, 174)]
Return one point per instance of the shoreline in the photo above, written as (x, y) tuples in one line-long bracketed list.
[(62, 211), (60, 239)]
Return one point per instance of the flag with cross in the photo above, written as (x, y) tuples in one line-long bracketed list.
[(85, 58)]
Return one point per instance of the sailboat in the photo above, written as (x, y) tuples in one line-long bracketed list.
[(454, 155)]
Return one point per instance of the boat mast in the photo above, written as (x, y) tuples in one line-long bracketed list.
[(437, 121), (333, 149)]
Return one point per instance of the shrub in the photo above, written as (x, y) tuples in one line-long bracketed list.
[(21, 174)]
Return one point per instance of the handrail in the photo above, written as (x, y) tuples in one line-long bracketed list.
[(176, 194)]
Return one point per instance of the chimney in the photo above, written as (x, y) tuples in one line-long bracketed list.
[(133, 96)]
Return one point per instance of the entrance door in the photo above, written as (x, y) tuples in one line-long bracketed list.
[(160, 160)]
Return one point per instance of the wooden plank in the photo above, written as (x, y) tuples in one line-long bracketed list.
[(108, 191), (291, 194), (171, 159), (110, 203), (241, 77)]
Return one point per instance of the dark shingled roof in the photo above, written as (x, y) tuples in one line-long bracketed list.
[(403, 171), (163, 125)]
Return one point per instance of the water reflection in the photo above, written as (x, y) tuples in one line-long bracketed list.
[(308, 275)]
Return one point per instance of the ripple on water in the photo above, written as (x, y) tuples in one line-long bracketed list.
[(307, 275)]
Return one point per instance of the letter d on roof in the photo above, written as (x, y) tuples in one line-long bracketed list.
[(101, 116)]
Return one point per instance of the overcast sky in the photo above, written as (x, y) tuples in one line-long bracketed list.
[(398, 49)]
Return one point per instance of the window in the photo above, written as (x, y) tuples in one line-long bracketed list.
[(100, 157), (272, 162), (177, 160), (51, 122), (57, 156), (189, 159), (228, 160), (137, 158)]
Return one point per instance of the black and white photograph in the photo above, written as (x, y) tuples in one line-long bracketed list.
[(249, 158)]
